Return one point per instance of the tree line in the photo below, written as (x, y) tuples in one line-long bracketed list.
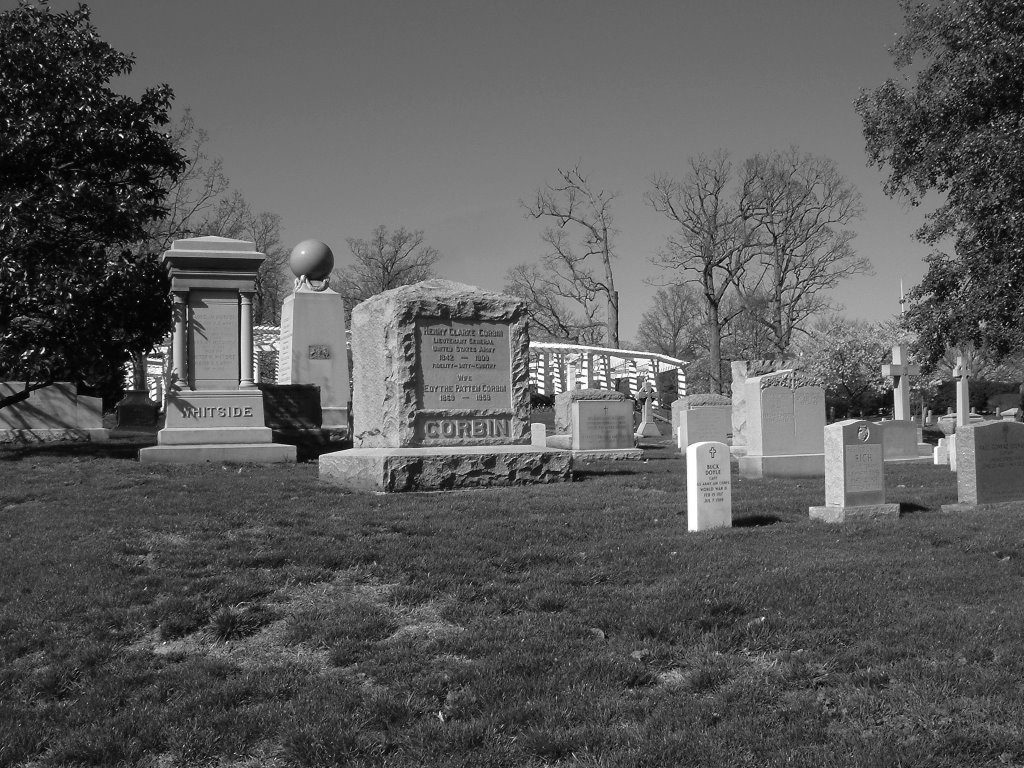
[(94, 185)]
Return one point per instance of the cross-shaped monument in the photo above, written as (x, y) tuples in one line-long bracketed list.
[(962, 372), (900, 370), (647, 426)]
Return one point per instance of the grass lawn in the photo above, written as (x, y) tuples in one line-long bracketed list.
[(239, 615)]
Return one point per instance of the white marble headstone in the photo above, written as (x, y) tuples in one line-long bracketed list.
[(708, 486)]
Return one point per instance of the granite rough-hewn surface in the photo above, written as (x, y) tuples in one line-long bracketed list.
[(564, 401), (391, 470), (385, 397)]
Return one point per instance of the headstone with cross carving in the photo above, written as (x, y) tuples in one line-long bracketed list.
[(962, 372), (602, 424), (708, 486), (854, 474)]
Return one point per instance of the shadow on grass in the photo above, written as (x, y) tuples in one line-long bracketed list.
[(910, 507), (755, 521), (583, 474), (114, 449)]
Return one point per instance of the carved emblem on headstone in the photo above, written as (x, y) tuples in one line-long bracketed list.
[(319, 352), (863, 433)]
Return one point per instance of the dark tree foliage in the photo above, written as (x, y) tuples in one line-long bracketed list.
[(83, 170), (954, 125)]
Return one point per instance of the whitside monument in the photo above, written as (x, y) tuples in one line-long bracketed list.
[(440, 394), (214, 410)]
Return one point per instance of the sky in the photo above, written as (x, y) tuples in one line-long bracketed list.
[(340, 115)]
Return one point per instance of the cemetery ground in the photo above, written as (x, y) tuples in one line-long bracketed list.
[(239, 615)]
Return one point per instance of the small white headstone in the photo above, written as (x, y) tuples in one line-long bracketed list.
[(708, 486), (538, 435)]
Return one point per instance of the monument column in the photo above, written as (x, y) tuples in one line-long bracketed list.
[(245, 343), (179, 361), (962, 372)]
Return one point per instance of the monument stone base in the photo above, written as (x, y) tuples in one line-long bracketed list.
[(216, 425), (795, 465), (564, 443), (257, 453), (648, 429), (828, 514), (391, 470)]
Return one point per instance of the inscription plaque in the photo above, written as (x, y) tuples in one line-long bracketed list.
[(863, 468), (464, 365), (602, 424), (708, 486), (213, 339)]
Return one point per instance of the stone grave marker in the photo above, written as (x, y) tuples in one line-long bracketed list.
[(564, 401), (708, 486), (854, 474), (990, 465), (741, 370), (441, 394), (700, 422), (940, 454), (313, 347), (214, 410), (784, 428), (602, 425), (54, 413)]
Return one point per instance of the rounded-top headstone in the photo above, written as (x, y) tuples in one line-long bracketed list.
[(311, 259)]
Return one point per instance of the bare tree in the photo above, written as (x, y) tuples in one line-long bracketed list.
[(674, 325), (199, 203), (234, 217), (558, 310), (194, 194), (711, 245), (385, 261), (575, 205), (796, 205)]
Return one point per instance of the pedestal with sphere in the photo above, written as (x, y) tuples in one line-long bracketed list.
[(313, 347)]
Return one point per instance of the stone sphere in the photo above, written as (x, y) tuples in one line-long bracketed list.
[(312, 259)]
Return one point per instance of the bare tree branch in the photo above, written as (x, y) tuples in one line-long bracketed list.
[(583, 233)]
